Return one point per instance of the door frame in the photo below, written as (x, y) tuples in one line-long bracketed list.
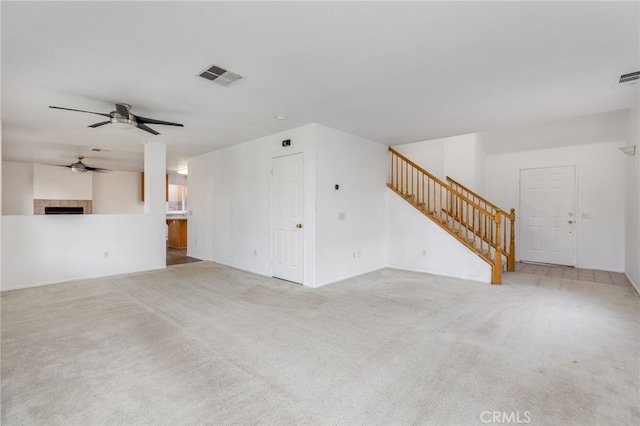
[(575, 209)]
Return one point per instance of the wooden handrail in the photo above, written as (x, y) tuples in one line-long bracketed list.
[(479, 227), (411, 163), (458, 184), (511, 216)]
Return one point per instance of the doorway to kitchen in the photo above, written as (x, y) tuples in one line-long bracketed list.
[(177, 220)]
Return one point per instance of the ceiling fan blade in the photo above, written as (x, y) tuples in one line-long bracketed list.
[(154, 121), (80, 110), (123, 110), (98, 169), (102, 123), (147, 128), (62, 165)]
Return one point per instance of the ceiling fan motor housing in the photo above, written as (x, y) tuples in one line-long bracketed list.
[(79, 167), (119, 119)]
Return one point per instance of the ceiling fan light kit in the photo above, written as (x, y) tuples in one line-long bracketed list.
[(76, 168), (124, 123), (122, 118), (80, 167)]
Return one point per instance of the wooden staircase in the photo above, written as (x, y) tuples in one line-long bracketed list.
[(482, 227)]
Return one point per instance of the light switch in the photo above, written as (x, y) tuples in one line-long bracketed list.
[(341, 216)]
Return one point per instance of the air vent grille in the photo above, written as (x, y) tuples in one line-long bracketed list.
[(628, 78), (220, 75)]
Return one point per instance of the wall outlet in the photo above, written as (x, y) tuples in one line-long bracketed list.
[(195, 242), (341, 215), (354, 254), (424, 252), (105, 254), (255, 252)]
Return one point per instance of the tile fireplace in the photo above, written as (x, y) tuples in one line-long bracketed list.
[(62, 206)]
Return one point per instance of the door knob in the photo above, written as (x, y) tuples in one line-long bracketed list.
[(570, 221), (299, 226)]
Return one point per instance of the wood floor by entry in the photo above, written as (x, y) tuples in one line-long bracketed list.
[(178, 257)]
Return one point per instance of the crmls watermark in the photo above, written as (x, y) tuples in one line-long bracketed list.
[(506, 417)]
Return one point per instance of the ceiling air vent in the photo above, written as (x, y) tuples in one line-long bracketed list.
[(630, 78), (220, 75)]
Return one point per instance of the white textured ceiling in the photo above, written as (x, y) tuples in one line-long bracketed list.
[(393, 72)]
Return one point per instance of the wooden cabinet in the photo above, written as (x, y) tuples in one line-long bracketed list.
[(177, 233)]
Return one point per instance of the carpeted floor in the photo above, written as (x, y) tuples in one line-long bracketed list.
[(204, 344)]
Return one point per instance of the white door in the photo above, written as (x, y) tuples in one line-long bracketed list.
[(547, 215), (287, 225)]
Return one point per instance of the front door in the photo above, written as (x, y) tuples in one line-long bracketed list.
[(287, 214), (548, 216)]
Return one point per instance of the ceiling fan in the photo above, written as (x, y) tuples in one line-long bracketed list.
[(80, 167), (122, 116)]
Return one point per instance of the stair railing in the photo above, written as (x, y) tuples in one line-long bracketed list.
[(508, 225), (469, 222)]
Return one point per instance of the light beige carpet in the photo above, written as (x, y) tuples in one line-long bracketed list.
[(205, 344)]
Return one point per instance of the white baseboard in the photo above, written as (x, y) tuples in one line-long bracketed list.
[(82, 278), (347, 277), (438, 275)]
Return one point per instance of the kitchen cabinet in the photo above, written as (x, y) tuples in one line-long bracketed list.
[(177, 233)]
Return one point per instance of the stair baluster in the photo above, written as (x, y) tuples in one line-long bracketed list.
[(469, 218)]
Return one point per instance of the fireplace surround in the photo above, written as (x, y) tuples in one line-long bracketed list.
[(40, 205)]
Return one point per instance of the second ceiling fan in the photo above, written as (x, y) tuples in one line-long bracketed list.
[(122, 115)]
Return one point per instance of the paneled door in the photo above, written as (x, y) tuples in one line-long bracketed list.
[(548, 215), (287, 214)]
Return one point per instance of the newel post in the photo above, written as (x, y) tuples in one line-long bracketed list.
[(496, 269), (511, 259)]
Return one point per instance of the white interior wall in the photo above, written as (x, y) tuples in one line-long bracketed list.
[(427, 154), (214, 227), (460, 161), (416, 243), (585, 130), (480, 166), (632, 197), (460, 157), (600, 193), (117, 193), (350, 221), (45, 249), (204, 172), (1, 210), (177, 179), (60, 183), (112, 193), (17, 189), (230, 201)]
